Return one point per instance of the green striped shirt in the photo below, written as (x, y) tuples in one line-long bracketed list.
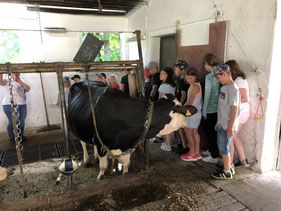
[(211, 97)]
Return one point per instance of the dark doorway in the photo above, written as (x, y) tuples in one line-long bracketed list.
[(167, 51)]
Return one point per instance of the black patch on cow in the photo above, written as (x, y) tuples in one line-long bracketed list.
[(184, 109)]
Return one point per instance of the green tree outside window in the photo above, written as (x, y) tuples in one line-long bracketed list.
[(111, 50), (9, 47)]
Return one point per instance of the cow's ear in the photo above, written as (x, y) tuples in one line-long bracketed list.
[(187, 110)]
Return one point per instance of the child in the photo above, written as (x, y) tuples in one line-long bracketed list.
[(112, 80), (181, 90), (228, 108), (210, 106), (167, 87), (194, 97), (240, 80)]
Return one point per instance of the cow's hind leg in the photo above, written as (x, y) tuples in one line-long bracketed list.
[(103, 166), (125, 161)]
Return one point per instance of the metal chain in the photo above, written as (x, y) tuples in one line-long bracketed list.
[(148, 119), (15, 113)]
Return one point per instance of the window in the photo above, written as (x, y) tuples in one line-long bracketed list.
[(9, 47), (111, 50)]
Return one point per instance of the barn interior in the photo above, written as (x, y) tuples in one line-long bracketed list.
[(52, 31)]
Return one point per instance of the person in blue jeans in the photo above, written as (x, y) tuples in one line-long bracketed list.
[(227, 124), (20, 88)]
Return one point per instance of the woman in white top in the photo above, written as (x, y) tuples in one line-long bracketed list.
[(20, 88), (168, 86), (244, 111)]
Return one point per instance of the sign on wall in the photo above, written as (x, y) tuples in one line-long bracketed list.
[(89, 49)]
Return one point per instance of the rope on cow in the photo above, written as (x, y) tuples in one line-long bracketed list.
[(147, 123)]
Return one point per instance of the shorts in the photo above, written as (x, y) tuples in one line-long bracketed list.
[(243, 118), (194, 120), (223, 141)]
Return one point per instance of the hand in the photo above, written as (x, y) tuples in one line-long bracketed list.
[(216, 127), (229, 132), (205, 117), (17, 78)]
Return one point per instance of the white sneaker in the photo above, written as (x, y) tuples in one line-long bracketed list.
[(205, 153), (209, 159), (166, 148)]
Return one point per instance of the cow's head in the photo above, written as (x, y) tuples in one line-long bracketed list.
[(169, 115)]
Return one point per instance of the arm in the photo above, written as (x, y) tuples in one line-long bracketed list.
[(207, 97), (183, 97), (153, 91), (24, 85), (194, 90), (233, 114), (3, 82), (161, 95), (244, 95)]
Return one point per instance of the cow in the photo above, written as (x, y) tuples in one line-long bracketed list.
[(120, 119)]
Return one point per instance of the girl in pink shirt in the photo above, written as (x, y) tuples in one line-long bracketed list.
[(113, 81)]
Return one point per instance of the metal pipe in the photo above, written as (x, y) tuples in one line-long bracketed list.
[(63, 108)]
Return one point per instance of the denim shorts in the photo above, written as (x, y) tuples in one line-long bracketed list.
[(223, 141)]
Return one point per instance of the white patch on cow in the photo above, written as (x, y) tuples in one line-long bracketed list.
[(177, 102), (178, 121), (103, 166), (3, 174), (125, 161)]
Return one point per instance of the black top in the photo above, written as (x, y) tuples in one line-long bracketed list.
[(181, 85), (155, 80), (124, 80)]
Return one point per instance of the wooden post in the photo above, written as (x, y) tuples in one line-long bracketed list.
[(140, 73)]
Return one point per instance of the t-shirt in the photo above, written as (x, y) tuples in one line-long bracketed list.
[(19, 94), (181, 85), (229, 96), (155, 80), (167, 89), (242, 83), (124, 80), (114, 86)]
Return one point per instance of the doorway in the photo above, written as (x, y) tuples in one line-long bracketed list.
[(167, 51)]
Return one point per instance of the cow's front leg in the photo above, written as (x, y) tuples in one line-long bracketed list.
[(85, 154), (103, 166), (125, 161)]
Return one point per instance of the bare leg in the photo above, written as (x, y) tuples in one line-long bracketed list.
[(85, 152), (183, 137), (226, 162), (168, 139), (239, 145), (231, 148), (103, 166), (196, 137), (190, 139)]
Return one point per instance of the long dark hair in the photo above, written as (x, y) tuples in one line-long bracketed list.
[(170, 77), (235, 69), (210, 59), (192, 72)]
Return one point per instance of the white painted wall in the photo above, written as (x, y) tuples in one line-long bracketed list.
[(54, 48), (250, 40)]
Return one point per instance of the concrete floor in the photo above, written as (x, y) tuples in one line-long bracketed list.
[(248, 190)]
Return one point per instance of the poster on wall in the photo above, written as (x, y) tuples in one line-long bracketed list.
[(89, 49)]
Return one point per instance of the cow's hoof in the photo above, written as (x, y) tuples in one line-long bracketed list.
[(100, 177)]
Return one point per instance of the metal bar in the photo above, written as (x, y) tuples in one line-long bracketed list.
[(44, 100), (63, 108), (90, 30)]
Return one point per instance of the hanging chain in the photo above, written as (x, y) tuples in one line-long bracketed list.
[(15, 113)]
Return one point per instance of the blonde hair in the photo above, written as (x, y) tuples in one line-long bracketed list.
[(114, 78)]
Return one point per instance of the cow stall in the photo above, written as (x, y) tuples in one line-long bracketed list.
[(136, 87)]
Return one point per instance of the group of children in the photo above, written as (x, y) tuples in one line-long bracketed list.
[(225, 109)]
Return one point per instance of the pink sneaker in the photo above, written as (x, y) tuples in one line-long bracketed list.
[(198, 156), (189, 157)]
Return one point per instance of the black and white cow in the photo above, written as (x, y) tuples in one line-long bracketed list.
[(120, 119)]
